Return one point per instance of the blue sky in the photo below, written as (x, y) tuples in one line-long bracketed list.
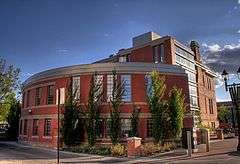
[(38, 35)]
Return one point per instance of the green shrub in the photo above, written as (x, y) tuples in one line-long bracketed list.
[(118, 150), (99, 150), (148, 149)]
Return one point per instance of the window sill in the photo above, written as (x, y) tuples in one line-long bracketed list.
[(35, 136), (47, 137)]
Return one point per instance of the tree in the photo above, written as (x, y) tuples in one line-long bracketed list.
[(9, 83), (176, 111), (115, 103), (9, 79), (70, 118), (134, 122), (13, 118), (92, 112), (224, 114), (157, 105)]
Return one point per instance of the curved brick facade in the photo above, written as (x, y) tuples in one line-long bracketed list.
[(41, 111)]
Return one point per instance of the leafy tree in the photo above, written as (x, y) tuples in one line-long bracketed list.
[(13, 118), (157, 105), (115, 103), (92, 112), (70, 118), (224, 114), (134, 122), (176, 110), (9, 79), (9, 82)]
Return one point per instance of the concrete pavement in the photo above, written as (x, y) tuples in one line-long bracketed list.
[(221, 152)]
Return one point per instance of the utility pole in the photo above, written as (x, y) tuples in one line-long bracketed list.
[(58, 127)]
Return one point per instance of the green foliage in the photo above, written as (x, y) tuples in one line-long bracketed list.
[(118, 150), (92, 112), (9, 83), (115, 102), (167, 116), (149, 149), (69, 120), (13, 118), (157, 105), (224, 114), (99, 150), (9, 79), (176, 111), (134, 122)]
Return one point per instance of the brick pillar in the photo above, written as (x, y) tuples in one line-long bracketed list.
[(133, 145)]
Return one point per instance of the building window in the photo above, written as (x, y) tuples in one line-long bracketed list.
[(35, 127), (127, 94), (50, 94), (185, 62), (20, 127), (38, 96), (98, 82), (193, 100), (25, 127), (125, 127), (148, 84), (109, 87), (191, 76), (158, 53), (149, 127), (100, 128), (209, 83), (28, 98), (47, 127), (76, 87), (210, 104), (123, 59), (206, 105), (192, 90)]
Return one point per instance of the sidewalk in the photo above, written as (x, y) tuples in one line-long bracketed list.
[(89, 158)]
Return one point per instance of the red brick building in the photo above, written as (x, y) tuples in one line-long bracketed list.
[(180, 65)]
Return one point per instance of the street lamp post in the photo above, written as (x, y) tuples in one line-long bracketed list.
[(58, 126), (234, 90)]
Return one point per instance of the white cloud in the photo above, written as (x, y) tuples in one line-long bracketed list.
[(239, 2), (212, 48), (222, 57), (238, 31)]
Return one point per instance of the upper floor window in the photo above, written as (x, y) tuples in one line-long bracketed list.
[(98, 82), (50, 94), (109, 87), (193, 100), (210, 104), (127, 95), (193, 90), (158, 53), (209, 83), (28, 98), (38, 96), (148, 83), (76, 87)]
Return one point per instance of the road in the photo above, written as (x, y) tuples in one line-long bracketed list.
[(221, 152)]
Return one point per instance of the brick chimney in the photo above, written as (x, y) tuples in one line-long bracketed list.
[(195, 48)]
